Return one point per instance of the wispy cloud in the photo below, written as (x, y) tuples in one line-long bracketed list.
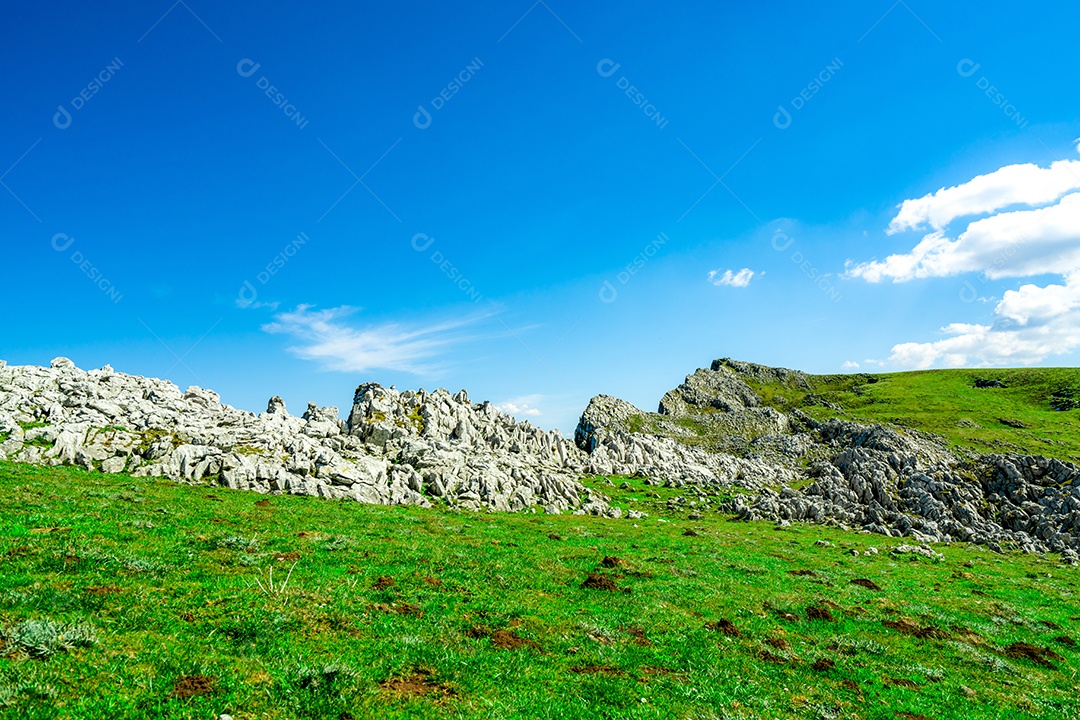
[(731, 278), (327, 338)]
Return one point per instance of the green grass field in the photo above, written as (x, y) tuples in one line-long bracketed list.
[(139, 598), (1037, 410)]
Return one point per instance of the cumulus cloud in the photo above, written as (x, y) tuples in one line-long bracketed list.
[(1030, 324), (850, 365), (327, 338), (522, 406), (729, 278), (1020, 243), (1026, 184)]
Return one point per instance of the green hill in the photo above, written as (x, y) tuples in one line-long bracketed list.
[(134, 598), (1033, 410)]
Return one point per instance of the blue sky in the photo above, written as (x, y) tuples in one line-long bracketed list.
[(537, 202)]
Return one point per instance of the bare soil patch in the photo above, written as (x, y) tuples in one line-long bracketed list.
[(419, 683), (1038, 655), (189, 686), (866, 583), (815, 612), (724, 626), (599, 581)]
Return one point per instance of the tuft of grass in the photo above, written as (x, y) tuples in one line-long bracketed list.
[(44, 638)]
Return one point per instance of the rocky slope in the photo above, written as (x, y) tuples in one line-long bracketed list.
[(713, 432)]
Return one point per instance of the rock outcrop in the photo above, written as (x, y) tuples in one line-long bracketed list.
[(396, 448)]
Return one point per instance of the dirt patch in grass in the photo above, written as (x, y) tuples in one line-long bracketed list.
[(689, 532), (1065, 640), (554, 536), (398, 608), (1038, 655), (599, 581), (610, 561), (866, 583), (212, 496), (189, 686), (597, 670), (851, 685), (815, 612), (99, 590), (724, 626), (383, 582), (502, 639), (802, 573), (290, 556), (262, 503), (639, 636), (778, 643), (509, 640), (823, 664), (419, 683), (912, 716), (908, 627), (432, 581)]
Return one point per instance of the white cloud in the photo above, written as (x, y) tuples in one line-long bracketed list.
[(1026, 184), (524, 405), (1031, 324), (738, 279), (1020, 243), (256, 304), (1028, 324), (326, 338), (849, 365)]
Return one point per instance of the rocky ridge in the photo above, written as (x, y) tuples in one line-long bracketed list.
[(419, 447)]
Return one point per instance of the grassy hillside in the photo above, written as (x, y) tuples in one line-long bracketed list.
[(137, 598), (1034, 410)]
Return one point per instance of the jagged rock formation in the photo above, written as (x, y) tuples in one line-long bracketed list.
[(423, 447), (396, 448)]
